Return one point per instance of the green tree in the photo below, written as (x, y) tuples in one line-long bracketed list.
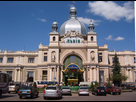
[(10, 78), (117, 77), (34, 84)]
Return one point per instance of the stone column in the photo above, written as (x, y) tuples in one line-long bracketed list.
[(57, 77), (61, 74), (130, 75), (127, 75), (84, 74), (50, 74), (97, 74), (19, 75), (94, 74), (91, 75), (15, 75)]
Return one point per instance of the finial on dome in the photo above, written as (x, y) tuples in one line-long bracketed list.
[(55, 26), (73, 12), (91, 26)]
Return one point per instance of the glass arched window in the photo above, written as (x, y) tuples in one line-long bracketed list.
[(78, 41), (73, 41), (54, 38), (92, 38), (73, 59)]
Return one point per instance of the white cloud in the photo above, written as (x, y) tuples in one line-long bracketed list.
[(43, 20), (109, 37), (87, 20), (116, 39), (119, 38), (41, 10), (112, 11), (32, 14)]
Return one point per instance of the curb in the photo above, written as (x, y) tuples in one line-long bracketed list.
[(90, 91), (127, 90)]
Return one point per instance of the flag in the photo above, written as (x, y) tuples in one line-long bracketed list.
[(74, 1)]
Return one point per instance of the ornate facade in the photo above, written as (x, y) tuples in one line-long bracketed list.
[(71, 57)]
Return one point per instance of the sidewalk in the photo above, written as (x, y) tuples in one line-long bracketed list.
[(127, 90)]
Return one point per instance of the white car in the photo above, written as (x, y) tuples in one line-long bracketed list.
[(83, 91), (52, 91)]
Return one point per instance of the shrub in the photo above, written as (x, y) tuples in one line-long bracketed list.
[(34, 84)]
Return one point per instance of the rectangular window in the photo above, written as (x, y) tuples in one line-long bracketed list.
[(1, 60), (134, 59), (30, 76), (44, 77), (100, 58), (10, 75), (100, 53), (45, 58), (30, 60), (10, 60), (101, 76), (112, 59)]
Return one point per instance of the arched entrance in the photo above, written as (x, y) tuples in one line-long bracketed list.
[(72, 70)]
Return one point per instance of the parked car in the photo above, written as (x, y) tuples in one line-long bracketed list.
[(66, 90), (99, 90), (113, 90), (52, 91), (123, 86), (14, 87), (28, 91), (83, 91), (132, 87)]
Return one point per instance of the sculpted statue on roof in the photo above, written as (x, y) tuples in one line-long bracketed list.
[(72, 33)]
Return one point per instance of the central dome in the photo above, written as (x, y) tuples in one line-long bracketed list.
[(72, 24)]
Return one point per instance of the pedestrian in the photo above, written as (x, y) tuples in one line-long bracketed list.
[(26, 84)]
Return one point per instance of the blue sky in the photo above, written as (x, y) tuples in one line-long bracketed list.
[(24, 24)]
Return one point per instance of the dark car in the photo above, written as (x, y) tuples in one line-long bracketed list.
[(132, 87), (14, 87), (28, 91), (113, 90), (99, 90)]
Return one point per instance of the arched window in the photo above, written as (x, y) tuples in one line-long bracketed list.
[(54, 38), (73, 59), (92, 38), (73, 41)]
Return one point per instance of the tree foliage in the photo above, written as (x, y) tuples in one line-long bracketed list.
[(117, 77), (10, 78), (34, 84)]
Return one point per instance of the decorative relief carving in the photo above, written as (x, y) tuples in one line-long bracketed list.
[(93, 56), (53, 56), (72, 33)]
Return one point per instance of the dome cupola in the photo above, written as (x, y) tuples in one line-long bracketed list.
[(73, 24), (55, 26), (91, 26)]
